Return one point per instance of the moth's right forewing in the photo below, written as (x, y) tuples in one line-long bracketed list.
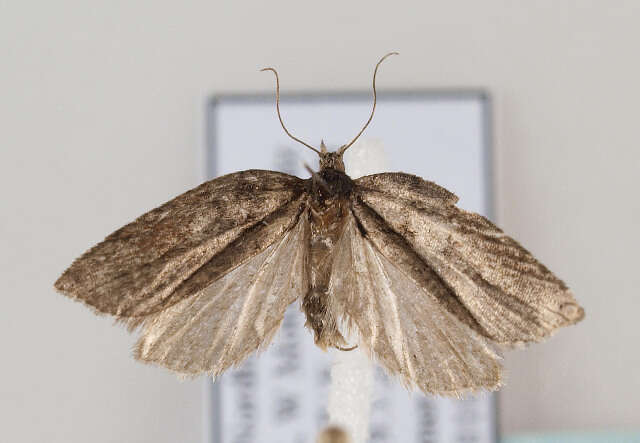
[(513, 297), (407, 187), (147, 265)]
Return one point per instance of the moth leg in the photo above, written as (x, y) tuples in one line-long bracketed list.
[(314, 212), (340, 348), (317, 179)]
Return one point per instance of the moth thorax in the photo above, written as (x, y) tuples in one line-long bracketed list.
[(333, 184), (331, 160)]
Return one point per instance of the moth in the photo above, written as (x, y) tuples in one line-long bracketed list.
[(432, 292)]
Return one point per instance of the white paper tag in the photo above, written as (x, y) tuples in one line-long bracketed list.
[(280, 395)]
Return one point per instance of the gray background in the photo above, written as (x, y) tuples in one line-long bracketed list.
[(102, 118)]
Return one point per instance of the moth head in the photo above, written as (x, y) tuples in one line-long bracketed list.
[(330, 160)]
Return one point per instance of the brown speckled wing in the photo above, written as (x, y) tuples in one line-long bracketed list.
[(509, 297), (401, 323), (183, 246), (225, 322)]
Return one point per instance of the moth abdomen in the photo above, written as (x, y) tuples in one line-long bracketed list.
[(320, 319), (329, 209)]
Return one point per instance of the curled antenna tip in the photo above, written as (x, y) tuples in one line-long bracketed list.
[(384, 57)]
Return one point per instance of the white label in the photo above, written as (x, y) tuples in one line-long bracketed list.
[(280, 394)]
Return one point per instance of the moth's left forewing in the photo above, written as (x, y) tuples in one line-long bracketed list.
[(171, 252), (512, 297)]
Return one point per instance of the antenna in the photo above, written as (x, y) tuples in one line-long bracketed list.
[(375, 72), (278, 109)]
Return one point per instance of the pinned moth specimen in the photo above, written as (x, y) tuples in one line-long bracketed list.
[(430, 291)]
